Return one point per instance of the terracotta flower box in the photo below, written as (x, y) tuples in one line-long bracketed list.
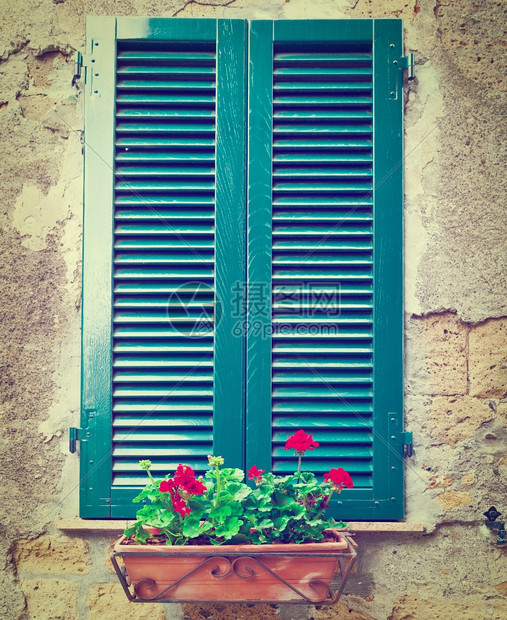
[(274, 573)]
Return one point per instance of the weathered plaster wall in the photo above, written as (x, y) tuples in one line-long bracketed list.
[(456, 344)]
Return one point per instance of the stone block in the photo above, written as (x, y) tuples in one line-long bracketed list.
[(450, 420), (488, 359), (107, 601), (411, 606), (468, 480), (436, 355), (454, 499), (439, 481), (502, 588), (52, 555), (50, 599)]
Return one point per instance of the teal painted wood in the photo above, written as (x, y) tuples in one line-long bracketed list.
[(165, 236), (162, 29), (322, 30), (96, 366), (330, 257), (388, 276), (230, 243), (258, 420), (164, 261)]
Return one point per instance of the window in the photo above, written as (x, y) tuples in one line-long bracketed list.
[(222, 155)]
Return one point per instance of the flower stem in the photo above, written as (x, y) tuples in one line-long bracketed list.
[(327, 502), (299, 462), (218, 489), (151, 478)]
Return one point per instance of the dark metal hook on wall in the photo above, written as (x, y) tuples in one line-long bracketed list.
[(492, 515)]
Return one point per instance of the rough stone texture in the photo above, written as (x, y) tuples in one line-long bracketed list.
[(455, 294), (440, 482), (451, 420), (468, 480), (488, 359), (501, 412), (454, 499), (50, 599), (477, 46), (341, 611), (465, 251), (108, 602), (502, 588), (52, 555), (436, 355), (411, 607), (229, 612)]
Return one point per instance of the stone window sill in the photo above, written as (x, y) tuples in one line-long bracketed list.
[(116, 526)]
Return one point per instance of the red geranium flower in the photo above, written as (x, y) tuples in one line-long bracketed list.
[(183, 475), (300, 442), (194, 487), (255, 472), (166, 486), (180, 506), (338, 478)]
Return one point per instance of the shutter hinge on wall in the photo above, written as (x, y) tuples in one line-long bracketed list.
[(407, 62), (78, 64), (408, 448), (75, 435), (82, 434)]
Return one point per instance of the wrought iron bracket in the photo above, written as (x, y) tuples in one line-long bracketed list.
[(491, 522), (220, 567)]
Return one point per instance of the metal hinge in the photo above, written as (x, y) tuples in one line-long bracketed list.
[(407, 62), (78, 64), (75, 435), (408, 448)]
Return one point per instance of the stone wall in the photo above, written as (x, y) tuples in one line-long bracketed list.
[(455, 301)]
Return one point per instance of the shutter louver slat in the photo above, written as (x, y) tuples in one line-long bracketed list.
[(163, 260), (322, 257)]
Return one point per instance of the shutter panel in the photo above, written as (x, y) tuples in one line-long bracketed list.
[(178, 248), (324, 232)]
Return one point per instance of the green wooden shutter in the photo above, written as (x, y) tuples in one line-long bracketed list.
[(325, 262), (164, 246)]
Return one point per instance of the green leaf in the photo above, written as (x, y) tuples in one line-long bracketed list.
[(229, 473), (281, 522), (238, 490), (140, 534), (190, 527), (163, 519), (147, 513), (220, 514), (228, 529)]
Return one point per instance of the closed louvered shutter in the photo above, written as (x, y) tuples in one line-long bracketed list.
[(164, 359), (324, 237), (164, 249)]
